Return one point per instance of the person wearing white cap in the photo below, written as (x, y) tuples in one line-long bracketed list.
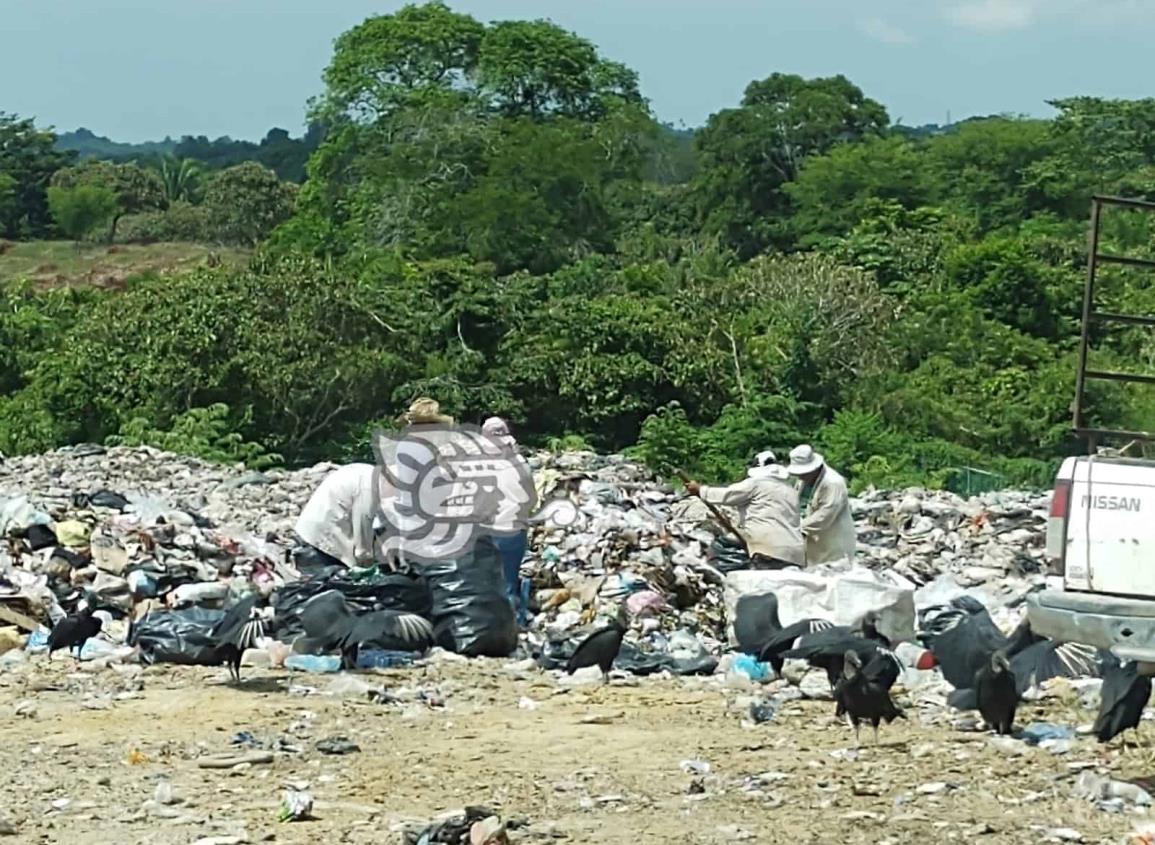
[(767, 506), (828, 525)]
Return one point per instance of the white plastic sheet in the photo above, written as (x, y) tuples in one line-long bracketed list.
[(839, 596), (17, 512)]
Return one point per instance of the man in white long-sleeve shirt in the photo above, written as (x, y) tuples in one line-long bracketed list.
[(336, 526), (767, 506), (828, 525)]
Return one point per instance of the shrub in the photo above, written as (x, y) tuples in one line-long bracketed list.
[(207, 433), (82, 209), (181, 222)]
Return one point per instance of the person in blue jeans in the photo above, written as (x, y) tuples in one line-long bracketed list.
[(512, 547)]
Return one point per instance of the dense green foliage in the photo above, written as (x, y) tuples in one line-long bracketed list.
[(28, 158), (134, 188), (82, 208), (494, 218)]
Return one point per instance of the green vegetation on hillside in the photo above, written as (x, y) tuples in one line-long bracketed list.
[(494, 218), (284, 155)]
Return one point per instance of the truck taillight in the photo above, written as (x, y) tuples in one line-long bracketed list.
[(1057, 527), (1061, 500)]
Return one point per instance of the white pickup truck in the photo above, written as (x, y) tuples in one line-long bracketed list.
[(1101, 532), (1100, 541)]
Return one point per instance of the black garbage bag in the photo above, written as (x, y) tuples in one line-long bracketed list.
[(176, 636), (40, 537), (632, 659), (100, 499), (409, 593), (471, 613), (556, 653), (316, 565), (727, 555), (455, 829), (755, 619)]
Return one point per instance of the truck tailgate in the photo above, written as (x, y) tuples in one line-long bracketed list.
[(1110, 542)]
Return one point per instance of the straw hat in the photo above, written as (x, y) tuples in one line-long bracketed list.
[(425, 410)]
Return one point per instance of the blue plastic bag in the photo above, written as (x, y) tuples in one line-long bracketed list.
[(751, 667)]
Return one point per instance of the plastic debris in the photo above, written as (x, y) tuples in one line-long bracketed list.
[(295, 806), (1038, 732)]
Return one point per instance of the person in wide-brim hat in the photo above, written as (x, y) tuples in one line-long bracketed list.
[(424, 411), (828, 525)]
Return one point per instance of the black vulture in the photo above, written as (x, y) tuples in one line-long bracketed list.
[(785, 638), (330, 626), (1042, 659), (861, 696), (997, 693), (1124, 695), (961, 637), (240, 628), (826, 649), (74, 630), (601, 647)]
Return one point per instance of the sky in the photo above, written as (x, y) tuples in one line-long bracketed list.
[(136, 70)]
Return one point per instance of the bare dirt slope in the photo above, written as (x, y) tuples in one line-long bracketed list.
[(466, 733)]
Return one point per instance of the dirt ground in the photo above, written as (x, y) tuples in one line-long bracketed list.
[(81, 753)]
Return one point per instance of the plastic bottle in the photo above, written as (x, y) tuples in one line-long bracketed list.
[(376, 658), (315, 663)]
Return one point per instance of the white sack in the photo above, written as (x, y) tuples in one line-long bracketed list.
[(839, 596)]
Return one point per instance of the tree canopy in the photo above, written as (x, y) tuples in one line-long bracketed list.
[(491, 214)]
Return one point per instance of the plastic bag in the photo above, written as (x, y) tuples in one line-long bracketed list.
[(18, 513), (383, 592), (755, 619), (727, 555), (176, 636), (842, 597), (471, 613), (556, 653)]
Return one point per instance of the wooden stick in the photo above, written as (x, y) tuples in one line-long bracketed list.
[(718, 515)]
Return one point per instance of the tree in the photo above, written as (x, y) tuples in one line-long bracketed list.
[(509, 143), (135, 188), (836, 191), (246, 202), (536, 68), (182, 179), (9, 199), (28, 159), (380, 63), (749, 153), (983, 169), (81, 209), (803, 326)]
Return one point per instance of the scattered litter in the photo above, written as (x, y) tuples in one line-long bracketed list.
[(337, 745), (695, 767), (1038, 732), (1094, 787), (295, 806)]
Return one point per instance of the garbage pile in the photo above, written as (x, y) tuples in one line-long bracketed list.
[(153, 532), (683, 580)]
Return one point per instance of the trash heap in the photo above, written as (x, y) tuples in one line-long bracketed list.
[(147, 530)]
